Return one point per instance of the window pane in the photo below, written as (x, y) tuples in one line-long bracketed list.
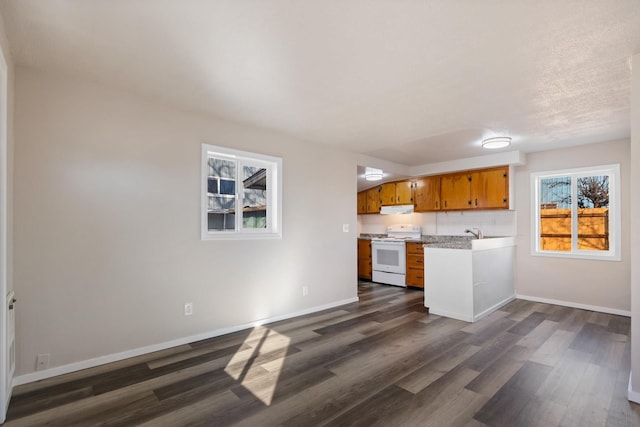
[(222, 168), (221, 204), (221, 213), (254, 198), (227, 186), (222, 186), (221, 221), (555, 214), (593, 213)]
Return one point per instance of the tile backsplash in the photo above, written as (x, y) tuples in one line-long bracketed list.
[(492, 223)]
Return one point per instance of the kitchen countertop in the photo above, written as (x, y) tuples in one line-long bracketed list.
[(434, 241)]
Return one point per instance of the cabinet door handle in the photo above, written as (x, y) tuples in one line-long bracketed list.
[(436, 205), (476, 202), (445, 203)]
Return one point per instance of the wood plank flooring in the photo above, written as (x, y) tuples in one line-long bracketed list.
[(383, 361)]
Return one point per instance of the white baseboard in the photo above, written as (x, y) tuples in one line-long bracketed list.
[(607, 310), (493, 308), (633, 396), (97, 361), (469, 317), (451, 314)]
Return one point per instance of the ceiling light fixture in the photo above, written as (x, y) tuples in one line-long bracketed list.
[(372, 174), (496, 142)]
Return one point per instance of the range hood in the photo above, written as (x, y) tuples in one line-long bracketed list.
[(397, 209)]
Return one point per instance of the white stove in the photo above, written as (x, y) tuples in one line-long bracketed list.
[(400, 232), (389, 257)]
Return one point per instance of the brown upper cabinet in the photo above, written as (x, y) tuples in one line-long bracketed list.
[(427, 194), (387, 193), (373, 200), (455, 191), (480, 189), (362, 202), (476, 189), (396, 193), (490, 188), (404, 193)]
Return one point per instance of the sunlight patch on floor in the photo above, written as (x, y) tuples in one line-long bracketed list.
[(257, 368)]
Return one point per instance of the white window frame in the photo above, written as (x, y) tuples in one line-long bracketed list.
[(273, 165), (614, 252)]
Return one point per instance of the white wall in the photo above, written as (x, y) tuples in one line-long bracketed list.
[(377, 224), (4, 45), (107, 237), (6, 280), (492, 223), (594, 283), (634, 392)]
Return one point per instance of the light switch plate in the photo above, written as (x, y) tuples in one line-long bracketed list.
[(345, 228)]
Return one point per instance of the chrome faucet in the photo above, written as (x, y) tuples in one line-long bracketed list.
[(477, 233)]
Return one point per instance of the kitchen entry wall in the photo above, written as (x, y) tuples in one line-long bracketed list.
[(107, 240)]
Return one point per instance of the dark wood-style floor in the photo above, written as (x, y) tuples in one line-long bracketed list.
[(382, 361)]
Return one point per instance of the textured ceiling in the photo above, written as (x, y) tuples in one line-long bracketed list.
[(414, 82)]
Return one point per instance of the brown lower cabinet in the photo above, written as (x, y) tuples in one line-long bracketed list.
[(415, 264), (365, 262)]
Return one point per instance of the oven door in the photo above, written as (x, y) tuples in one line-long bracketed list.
[(388, 256)]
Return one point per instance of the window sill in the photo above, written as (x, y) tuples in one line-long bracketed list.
[(550, 254), (241, 236)]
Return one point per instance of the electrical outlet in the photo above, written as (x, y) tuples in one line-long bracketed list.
[(345, 228), (188, 308), (305, 291), (42, 362)]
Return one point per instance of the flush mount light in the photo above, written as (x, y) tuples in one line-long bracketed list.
[(372, 174), (496, 142)]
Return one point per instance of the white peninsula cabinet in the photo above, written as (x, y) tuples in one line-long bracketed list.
[(469, 283)]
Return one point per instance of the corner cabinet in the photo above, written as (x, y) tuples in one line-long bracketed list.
[(365, 263), (369, 201), (490, 188), (373, 200), (362, 202), (415, 264)]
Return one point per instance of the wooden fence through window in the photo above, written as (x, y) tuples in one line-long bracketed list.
[(593, 229)]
